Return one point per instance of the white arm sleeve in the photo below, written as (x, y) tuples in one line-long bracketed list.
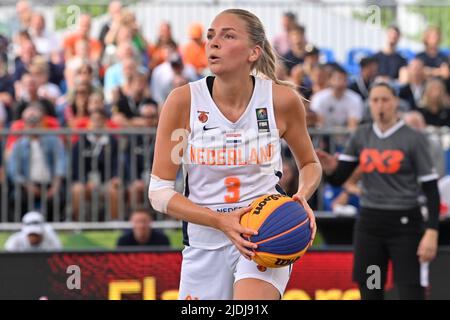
[(160, 192)]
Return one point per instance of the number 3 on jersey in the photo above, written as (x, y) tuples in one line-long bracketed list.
[(233, 185)]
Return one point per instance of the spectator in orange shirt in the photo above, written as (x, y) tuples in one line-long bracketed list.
[(158, 52), (83, 32), (194, 52)]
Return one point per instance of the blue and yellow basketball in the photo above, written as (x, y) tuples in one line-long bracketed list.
[(283, 230)]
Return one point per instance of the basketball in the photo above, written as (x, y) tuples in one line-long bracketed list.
[(283, 230)]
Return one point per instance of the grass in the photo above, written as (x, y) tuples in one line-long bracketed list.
[(90, 239), (80, 240), (97, 239), (108, 239), (3, 237)]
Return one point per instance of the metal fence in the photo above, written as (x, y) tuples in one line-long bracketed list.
[(102, 174), (87, 198)]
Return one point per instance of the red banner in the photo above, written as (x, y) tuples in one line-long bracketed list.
[(145, 275)]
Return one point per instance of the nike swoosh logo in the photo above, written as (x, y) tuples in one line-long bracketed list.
[(206, 129)]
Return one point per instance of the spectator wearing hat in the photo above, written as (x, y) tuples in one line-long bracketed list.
[(35, 235), (194, 53), (311, 59), (301, 74)]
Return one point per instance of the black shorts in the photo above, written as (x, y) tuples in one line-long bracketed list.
[(383, 235)]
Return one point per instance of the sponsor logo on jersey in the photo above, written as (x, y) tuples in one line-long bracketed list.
[(263, 126), (261, 114), (387, 161), (202, 116), (262, 120), (205, 128)]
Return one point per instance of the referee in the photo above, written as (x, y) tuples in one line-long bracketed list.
[(396, 165)]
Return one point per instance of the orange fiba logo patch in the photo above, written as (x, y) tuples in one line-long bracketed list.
[(261, 268), (203, 116)]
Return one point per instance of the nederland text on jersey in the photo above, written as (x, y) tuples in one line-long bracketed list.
[(232, 148), (231, 156)]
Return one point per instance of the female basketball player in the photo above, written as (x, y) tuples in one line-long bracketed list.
[(392, 158), (234, 122)]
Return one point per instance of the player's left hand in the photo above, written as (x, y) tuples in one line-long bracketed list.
[(302, 200), (428, 246)]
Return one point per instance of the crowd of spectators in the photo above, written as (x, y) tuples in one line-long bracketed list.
[(337, 97), (119, 79)]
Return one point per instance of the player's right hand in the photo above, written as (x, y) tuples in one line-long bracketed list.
[(229, 223)]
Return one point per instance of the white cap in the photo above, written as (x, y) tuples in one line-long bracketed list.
[(33, 223)]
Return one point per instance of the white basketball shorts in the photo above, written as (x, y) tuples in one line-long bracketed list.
[(211, 274)]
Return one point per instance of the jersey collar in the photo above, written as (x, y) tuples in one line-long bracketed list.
[(388, 133)]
